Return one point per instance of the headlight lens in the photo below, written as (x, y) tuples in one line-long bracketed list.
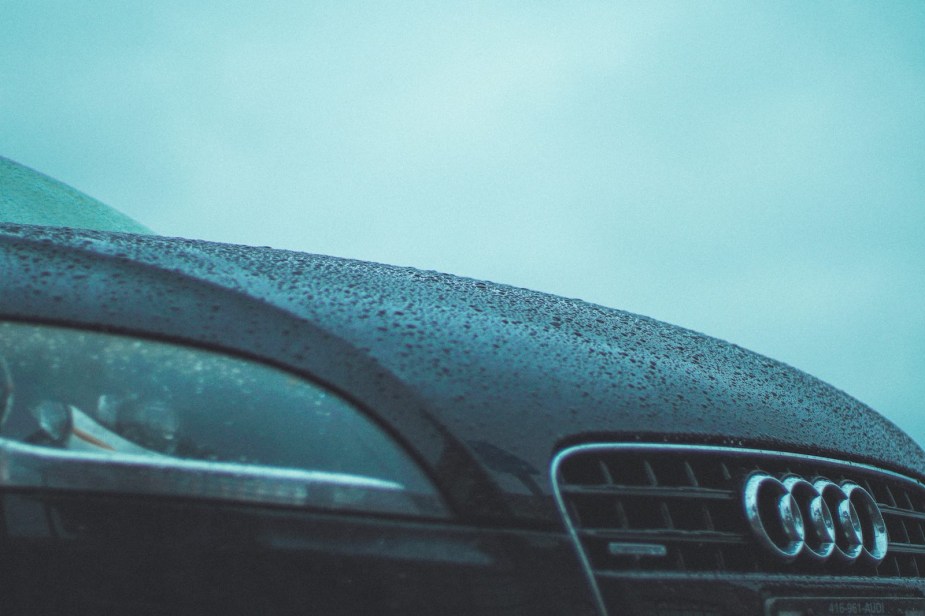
[(100, 412)]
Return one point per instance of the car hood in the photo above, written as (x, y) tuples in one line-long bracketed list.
[(514, 375)]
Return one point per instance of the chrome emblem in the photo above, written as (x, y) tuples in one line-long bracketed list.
[(815, 521)]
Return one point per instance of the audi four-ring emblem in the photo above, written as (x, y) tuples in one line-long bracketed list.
[(815, 521)]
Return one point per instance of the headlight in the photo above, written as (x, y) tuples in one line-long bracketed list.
[(99, 412)]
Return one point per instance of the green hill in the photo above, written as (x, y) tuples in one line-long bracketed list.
[(29, 197)]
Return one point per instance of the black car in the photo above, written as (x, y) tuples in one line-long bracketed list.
[(193, 427)]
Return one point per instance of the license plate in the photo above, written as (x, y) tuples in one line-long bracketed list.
[(845, 606)]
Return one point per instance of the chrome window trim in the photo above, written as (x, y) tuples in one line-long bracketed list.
[(676, 447)]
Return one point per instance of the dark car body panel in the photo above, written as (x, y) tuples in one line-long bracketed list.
[(76, 554), (479, 380)]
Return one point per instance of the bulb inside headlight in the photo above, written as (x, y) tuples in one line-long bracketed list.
[(54, 419)]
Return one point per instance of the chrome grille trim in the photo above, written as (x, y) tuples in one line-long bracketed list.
[(893, 492)]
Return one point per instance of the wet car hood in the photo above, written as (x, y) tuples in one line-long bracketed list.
[(512, 374)]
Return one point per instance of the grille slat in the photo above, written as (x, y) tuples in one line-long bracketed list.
[(676, 508), (663, 536), (906, 548), (902, 513), (652, 492)]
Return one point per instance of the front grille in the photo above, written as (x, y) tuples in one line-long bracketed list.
[(680, 508)]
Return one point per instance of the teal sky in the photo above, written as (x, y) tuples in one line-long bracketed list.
[(754, 171)]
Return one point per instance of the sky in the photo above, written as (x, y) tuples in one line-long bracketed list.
[(754, 171)]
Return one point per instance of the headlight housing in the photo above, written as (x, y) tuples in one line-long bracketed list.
[(98, 412)]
